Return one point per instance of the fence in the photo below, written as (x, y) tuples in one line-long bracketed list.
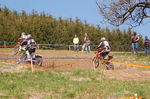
[(50, 64), (5, 44), (125, 47)]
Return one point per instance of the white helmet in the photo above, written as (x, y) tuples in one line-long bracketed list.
[(23, 33), (29, 36), (103, 39)]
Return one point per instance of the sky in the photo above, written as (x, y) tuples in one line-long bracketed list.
[(83, 9)]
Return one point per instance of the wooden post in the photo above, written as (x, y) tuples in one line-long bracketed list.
[(31, 65), (38, 46), (4, 44), (69, 48)]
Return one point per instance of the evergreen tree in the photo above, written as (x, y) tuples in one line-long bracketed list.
[(46, 29)]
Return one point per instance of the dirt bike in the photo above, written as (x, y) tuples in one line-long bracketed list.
[(99, 60), (36, 61), (16, 49)]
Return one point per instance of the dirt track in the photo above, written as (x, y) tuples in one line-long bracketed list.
[(120, 72)]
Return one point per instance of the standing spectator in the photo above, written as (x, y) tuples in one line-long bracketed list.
[(76, 43), (135, 39), (86, 45), (147, 45)]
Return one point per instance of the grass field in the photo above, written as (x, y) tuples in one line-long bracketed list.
[(76, 83), (81, 84)]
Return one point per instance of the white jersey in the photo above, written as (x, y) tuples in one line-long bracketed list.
[(23, 37), (105, 45), (31, 41)]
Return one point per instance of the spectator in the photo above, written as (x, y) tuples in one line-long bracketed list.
[(147, 45), (135, 39), (86, 45), (76, 43)]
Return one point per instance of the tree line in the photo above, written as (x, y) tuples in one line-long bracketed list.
[(46, 29)]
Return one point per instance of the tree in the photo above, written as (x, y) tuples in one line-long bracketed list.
[(46, 29), (131, 12)]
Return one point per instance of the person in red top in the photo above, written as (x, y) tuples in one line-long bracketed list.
[(86, 48), (135, 39)]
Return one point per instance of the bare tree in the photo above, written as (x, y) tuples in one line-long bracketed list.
[(131, 12)]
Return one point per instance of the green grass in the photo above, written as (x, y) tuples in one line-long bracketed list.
[(81, 84), (3, 64), (140, 59), (77, 84)]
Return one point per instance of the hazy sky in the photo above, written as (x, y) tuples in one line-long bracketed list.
[(83, 9)]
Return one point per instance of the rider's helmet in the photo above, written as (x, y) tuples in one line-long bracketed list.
[(103, 39), (29, 36), (23, 33)]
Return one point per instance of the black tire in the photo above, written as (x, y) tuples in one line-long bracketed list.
[(16, 50), (23, 56), (95, 62), (38, 60), (109, 66)]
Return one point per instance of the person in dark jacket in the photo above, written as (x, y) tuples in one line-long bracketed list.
[(147, 45)]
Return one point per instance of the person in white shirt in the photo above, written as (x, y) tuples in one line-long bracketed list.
[(23, 35), (104, 48), (31, 47), (76, 43), (22, 41)]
